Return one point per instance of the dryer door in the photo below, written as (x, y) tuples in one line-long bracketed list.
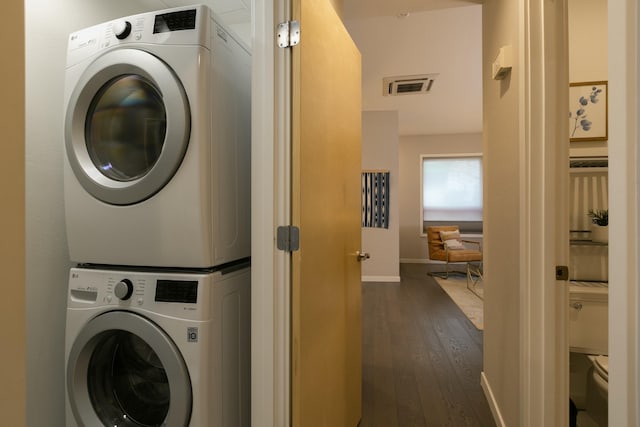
[(123, 370), (127, 126)]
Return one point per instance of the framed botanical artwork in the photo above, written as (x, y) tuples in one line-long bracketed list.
[(588, 115)]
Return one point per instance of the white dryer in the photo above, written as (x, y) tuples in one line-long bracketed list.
[(158, 349), (157, 142)]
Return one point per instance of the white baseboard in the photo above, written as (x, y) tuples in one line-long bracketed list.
[(488, 393), (395, 279)]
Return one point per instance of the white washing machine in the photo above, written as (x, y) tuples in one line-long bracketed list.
[(157, 142), (158, 349)]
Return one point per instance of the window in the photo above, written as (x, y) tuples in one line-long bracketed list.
[(452, 191)]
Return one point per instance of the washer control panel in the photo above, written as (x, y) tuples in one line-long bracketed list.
[(123, 289), (180, 294)]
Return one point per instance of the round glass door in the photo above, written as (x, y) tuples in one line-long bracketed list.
[(124, 371), (127, 384), (127, 126)]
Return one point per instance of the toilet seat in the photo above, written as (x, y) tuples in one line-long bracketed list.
[(584, 420), (601, 366), (596, 407)]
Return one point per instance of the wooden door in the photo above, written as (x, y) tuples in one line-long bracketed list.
[(326, 168)]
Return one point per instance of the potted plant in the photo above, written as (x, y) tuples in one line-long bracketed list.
[(599, 225)]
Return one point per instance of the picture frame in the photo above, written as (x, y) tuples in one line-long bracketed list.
[(588, 111), (375, 199)]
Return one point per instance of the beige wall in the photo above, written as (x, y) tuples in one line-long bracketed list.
[(47, 27), (501, 129), (588, 59), (12, 243), (413, 246), (588, 56), (380, 152)]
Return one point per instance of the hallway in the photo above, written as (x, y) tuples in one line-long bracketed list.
[(422, 357)]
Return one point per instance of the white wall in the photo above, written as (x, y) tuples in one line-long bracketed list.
[(588, 55), (47, 26), (380, 153), (413, 245), (624, 228), (502, 243)]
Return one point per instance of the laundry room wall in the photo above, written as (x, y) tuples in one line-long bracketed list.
[(47, 27), (12, 253)]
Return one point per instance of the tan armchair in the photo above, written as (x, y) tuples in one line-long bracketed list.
[(454, 250)]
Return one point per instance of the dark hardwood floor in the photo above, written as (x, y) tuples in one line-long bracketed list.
[(422, 357)]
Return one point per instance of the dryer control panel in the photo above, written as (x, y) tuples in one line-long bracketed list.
[(175, 21), (178, 26)]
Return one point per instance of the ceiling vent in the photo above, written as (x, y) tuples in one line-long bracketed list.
[(408, 85)]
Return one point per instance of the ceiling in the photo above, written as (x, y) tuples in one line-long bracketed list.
[(409, 37), (431, 39), (367, 8)]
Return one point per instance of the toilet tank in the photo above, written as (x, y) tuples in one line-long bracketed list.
[(589, 318)]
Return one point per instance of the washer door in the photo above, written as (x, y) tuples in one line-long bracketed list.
[(123, 370), (127, 126)]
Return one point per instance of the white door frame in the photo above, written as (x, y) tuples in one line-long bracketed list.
[(544, 390), (624, 116), (270, 198)]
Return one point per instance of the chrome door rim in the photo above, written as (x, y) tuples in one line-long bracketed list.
[(89, 337), (113, 64)]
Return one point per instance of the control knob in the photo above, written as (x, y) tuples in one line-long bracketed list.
[(122, 29), (123, 289)]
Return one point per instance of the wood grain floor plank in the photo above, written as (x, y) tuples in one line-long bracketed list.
[(379, 403), (422, 357)]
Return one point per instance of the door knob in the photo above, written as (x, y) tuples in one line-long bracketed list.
[(362, 256)]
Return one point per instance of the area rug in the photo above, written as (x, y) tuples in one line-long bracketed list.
[(470, 303)]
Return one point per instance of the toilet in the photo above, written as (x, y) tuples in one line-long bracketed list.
[(589, 361), (596, 408)]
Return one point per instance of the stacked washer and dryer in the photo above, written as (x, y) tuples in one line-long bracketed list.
[(157, 201)]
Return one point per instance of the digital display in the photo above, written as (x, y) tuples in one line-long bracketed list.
[(175, 21), (180, 291)]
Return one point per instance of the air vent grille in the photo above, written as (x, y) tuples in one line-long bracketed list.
[(408, 85), (588, 162)]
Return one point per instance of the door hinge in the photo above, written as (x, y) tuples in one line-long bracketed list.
[(288, 33), (288, 238), (562, 272)]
